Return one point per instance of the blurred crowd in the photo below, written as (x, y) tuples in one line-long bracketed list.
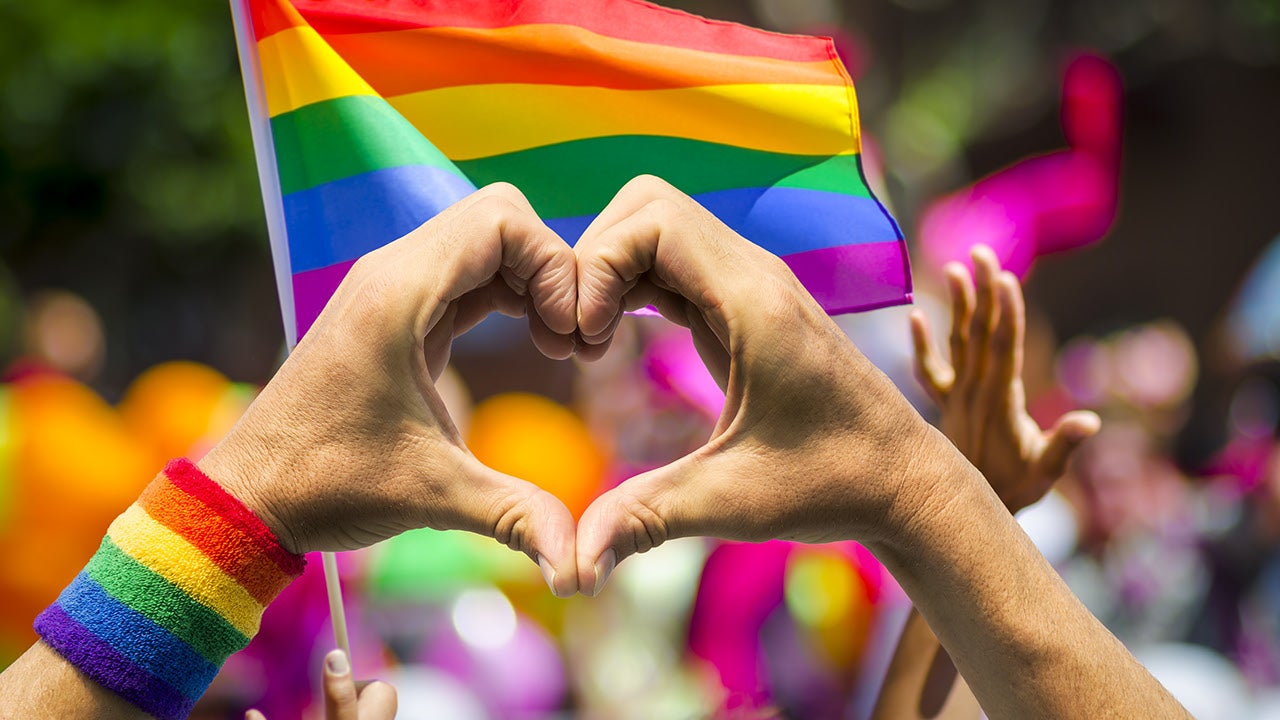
[(1182, 563), (1167, 526)]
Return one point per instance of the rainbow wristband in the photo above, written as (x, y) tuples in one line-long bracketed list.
[(178, 585)]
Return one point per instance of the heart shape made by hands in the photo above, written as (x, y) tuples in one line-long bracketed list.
[(748, 315)]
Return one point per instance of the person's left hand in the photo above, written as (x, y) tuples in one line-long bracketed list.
[(980, 392), (350, 444)]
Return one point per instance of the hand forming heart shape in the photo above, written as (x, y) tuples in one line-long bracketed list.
[(361, 447)]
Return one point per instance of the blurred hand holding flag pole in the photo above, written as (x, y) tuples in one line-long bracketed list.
[(370, 118)]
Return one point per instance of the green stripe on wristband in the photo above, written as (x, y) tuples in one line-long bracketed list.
[(140, 588)]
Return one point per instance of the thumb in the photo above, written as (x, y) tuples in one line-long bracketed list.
[(531, 520), (378, 701), (643, 512), (1067, 434)]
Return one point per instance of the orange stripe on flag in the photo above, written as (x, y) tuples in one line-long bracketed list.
[(554, 55)]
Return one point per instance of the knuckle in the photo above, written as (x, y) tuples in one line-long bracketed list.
[(363, 267), (493, 206), (504, 190), (778, 268), (509, 521), (365, 291), (649, 184), (644, 523), (662, 208), (506, 527)]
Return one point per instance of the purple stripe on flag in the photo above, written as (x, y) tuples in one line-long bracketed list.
[(851, 278), (843, 279), (103, 664), (311, 290)]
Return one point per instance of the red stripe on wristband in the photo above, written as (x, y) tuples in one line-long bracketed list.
[(188, 478)]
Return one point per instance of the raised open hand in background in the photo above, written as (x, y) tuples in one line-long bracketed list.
[(980, 392), (983, 411)]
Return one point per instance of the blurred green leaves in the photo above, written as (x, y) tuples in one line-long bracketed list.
[(126, 117)]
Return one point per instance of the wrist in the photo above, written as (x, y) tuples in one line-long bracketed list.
[(933, 493), (229, 464)]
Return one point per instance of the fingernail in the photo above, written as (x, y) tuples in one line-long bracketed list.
[(337, 663), (548, 574), (604, 568)]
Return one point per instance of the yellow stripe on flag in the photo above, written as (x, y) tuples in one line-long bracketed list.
[(299, 68), (478, 121)]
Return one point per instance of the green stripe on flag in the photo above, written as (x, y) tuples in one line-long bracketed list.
[(351, 136), (580, 177), (347, 136)]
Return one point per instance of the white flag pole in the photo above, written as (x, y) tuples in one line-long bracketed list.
[(273, 203)]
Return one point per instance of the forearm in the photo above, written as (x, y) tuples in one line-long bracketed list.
[(1027, 647), (922, 682), (42, 683), (178, 584)]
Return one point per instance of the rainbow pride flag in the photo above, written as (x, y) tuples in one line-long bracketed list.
[(371, 117)]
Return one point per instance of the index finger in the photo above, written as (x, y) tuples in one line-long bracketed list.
[(650, 226), (493, 232)]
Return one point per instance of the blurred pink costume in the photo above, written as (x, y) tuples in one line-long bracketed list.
[(1048, 203)]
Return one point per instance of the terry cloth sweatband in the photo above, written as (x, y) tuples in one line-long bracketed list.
[(178, 585)]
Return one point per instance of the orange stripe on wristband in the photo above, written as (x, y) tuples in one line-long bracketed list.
[(189, 479)]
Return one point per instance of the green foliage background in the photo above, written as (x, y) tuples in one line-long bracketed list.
[(127, 175)]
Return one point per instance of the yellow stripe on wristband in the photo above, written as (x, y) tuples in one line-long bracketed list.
[(170, 556)]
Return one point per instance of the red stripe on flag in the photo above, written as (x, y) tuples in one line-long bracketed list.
[(623, 19), (272, 16)]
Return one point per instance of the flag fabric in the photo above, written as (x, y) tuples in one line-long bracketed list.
[(372, 116)]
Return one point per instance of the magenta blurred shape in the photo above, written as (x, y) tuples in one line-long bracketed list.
[(1050, 203), (675, 367), (521, 678), (743, 584), (295, 634)]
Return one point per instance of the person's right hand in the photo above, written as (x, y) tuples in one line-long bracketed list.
[(814, 444), (350, 444), (980, 391)]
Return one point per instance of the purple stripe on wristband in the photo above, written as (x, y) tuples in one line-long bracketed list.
[(106, 666), (137, 637)]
